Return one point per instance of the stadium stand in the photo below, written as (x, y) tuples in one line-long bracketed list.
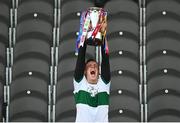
[(29, 87), (4, 25), (36, 94), (67, 60), (123, 39), (163, 57)]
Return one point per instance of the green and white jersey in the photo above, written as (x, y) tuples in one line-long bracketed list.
[(92, 100)]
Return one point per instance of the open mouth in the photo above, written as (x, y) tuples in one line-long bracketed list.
[(92, 72)]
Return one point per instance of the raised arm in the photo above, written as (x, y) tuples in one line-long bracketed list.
[(80, 64), (105, 67)]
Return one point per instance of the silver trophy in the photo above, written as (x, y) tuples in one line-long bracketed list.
[(94, 13)]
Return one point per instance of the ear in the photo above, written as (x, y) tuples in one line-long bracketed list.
[(85, 71), (85, 74)]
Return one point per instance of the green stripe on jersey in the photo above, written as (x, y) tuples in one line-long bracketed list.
[(84, 97)]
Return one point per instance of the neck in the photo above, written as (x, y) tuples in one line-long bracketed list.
[(92, 81)]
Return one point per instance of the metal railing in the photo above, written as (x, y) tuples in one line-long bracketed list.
[(54, 51), (9, 56)]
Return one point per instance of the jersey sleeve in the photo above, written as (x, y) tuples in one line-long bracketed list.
[(80, 64), (105, 66)]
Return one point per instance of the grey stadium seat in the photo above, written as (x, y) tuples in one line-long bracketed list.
[(29, 109), (65, 107), (71, 7), (123, 5), (71, 12), (160, 81), (124, 82), (39, 28), (163, 57), (4, 25), (160, 63), (44, 7), (158, 23), (31, 44), (28, 99), (123, 39), (154, 6), (127, 65), (29, 87), (124, 107), (67, 47), (38, 14), (30, 73), (164, 107)]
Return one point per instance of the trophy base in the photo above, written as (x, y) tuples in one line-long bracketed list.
[(97, 41), (94, 42)]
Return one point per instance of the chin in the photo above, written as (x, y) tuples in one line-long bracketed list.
[(93, 82), (94, 78)]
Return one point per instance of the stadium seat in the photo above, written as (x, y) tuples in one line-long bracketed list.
[(163, 57), (72, 7), (161, 63), (30, 71), (115, 6), (30, 82), (28, 7), (123, 39), (28, 99), (124, 107), (164, 106), (154, 6), (38, 14), (127, 82), (126, 65), (39, 28), (31, 108), (67, 49), (31, 44), (65, 107), (70, 15)]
